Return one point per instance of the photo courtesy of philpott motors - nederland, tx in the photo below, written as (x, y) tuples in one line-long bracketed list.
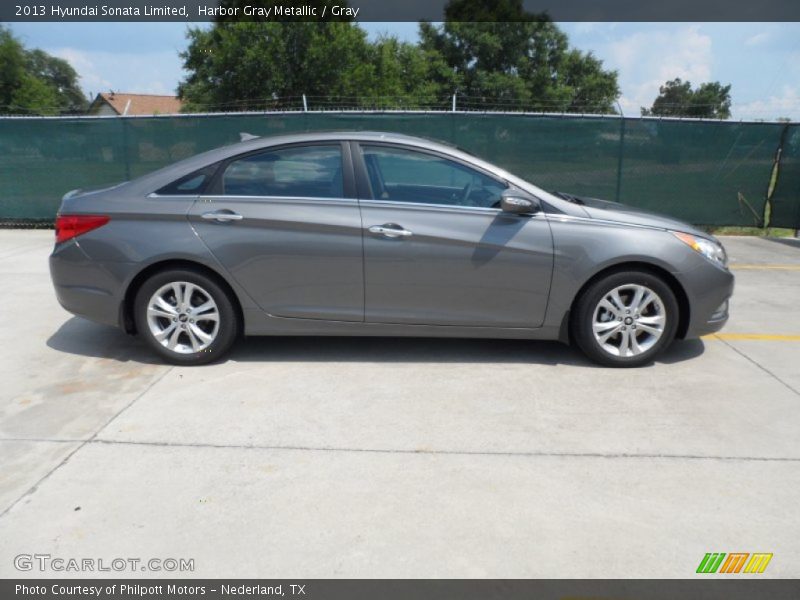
[(124, 589)]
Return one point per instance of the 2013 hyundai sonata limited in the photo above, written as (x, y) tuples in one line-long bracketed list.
[(364, 234)]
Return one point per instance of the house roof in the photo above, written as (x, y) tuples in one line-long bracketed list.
[(140, 104)]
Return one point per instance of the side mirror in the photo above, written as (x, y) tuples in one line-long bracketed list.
[(517, 204)]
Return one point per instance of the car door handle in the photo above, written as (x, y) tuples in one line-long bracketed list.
[(221, 216), (390, 230)]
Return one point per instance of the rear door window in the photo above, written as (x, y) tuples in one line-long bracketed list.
[(302, 172)]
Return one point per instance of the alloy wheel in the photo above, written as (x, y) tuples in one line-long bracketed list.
[(183, 317), (629, 320)]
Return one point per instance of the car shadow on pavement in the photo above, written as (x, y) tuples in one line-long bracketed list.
[(85, 338), (433, 350), (405, 350), (82, 337), (682, 350)]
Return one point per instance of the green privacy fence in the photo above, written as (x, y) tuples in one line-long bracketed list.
[(785, 199), (705, 172)]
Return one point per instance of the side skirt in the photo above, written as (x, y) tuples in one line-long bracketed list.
[(257, 324)]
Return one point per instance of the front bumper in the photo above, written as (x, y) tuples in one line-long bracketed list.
[(709, 289)]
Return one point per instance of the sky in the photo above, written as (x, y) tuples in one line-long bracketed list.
[(760, 60)]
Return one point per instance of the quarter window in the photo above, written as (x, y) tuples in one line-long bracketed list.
[(304, 172), (190, 185), (409, 176)]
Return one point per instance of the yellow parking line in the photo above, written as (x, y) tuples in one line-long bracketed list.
[(744, 267), (768, 337)]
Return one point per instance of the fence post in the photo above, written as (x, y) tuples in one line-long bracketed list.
[(305, 104), (126, 155), (620, 154), (454, 104), (772, 183)]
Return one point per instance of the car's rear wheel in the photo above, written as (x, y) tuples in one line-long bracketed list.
[(185, 316), (625, 319)]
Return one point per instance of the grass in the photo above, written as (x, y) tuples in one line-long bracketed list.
[(755, 231)]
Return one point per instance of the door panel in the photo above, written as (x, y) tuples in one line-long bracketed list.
[(438, 252), (278, 222), (458, 266), (296, 258)]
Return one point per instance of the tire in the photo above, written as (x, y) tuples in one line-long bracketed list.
[(196, 332), (629, 335)]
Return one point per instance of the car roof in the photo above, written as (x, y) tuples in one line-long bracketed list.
[(315, 136), (178, 169)]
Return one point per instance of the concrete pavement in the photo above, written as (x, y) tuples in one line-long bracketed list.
[(314, 457)]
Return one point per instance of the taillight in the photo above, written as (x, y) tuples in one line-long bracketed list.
[(70, 226)]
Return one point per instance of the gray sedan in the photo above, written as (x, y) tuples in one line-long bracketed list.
[(378, 234)]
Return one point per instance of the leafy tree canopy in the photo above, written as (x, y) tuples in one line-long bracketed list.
[(32, 81), (676, 98), (524, 62), (236, 66)]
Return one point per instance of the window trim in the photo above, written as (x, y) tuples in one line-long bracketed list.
[(366, 194), (216, 190)]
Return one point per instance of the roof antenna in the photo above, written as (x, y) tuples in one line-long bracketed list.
[(244, 137)]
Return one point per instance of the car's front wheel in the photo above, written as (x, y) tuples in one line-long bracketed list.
[(185, 316), (625, 319)]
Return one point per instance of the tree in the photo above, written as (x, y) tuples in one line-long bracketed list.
[(240, 65), (400, 76), (33, 82), (12, 69), (59, 75), (676, 98), (521, 61), (236, 66), (34, 96)]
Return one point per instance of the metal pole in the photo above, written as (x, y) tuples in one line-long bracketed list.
[(305, 104), (454, 103), (620, 157), (126, 155), (621, 151)]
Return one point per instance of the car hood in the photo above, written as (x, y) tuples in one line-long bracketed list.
[(622, 213)]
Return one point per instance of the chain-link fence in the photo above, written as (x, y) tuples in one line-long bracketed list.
[(705, 172)]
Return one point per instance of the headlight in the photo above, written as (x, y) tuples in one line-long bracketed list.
[(713, 251)]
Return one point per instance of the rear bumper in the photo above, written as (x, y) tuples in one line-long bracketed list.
[(709, 289), (83, 287)]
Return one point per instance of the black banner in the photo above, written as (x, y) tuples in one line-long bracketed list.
[(733, 588), (396, 10)]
